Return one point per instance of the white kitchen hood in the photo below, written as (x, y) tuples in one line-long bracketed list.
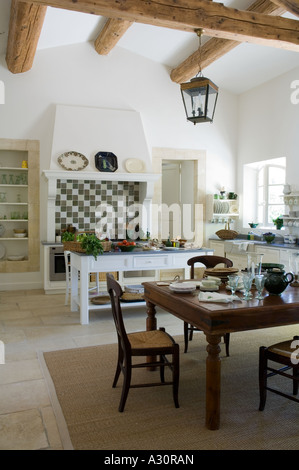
[(91, 130)]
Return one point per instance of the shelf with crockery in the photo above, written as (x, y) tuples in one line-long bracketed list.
[(292, 218), (225, 208), (19, 206)]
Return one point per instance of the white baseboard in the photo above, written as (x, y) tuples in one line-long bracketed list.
[(21, 286)]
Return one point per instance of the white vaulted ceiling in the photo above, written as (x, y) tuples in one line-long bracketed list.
[(241, 69)]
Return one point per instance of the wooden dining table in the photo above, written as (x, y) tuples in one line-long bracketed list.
[(216, 319)]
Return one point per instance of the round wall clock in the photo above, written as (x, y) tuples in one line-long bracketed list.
[(73, 161)]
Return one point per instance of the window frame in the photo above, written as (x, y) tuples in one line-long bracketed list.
[(265, 204)]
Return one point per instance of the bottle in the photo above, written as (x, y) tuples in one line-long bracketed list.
[(250, 236), (168, 242)]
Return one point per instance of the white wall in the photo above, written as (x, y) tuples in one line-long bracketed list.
[(268, 126), (77, 75)]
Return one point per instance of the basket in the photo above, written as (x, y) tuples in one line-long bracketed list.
[(73, 246), (227, 234), (106, 245), (76, 246)]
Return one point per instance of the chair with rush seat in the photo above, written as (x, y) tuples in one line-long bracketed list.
[(143, 343), (285, 353), (209, 261)]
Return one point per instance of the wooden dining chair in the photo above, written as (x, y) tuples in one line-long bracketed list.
[(286, 354), (210, 261), (142, 343)]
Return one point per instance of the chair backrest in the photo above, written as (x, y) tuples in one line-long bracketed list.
[(115, 292), (210, 261)]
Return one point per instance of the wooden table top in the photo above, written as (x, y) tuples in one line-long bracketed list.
[(219, 318)]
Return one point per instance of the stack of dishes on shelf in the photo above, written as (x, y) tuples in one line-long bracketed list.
[(20, 233), (221, 207), (133, 293)]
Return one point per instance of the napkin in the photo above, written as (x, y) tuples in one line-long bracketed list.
[(216, 297)]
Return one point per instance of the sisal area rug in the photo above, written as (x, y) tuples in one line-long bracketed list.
[(86, 405)]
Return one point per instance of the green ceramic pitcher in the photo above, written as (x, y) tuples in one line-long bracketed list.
[(277, 281)]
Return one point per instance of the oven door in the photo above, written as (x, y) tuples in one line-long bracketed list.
[(57, 264)]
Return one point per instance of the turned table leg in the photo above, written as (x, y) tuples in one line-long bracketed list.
[(213, 380), (151, 324), (151, 320)]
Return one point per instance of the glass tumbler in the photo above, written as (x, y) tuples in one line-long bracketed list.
[(232, 282), (247, 283), (259, 284)]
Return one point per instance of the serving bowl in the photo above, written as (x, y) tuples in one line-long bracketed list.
[(126, 247), (269, 237)]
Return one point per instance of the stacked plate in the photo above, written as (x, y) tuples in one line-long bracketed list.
[(221, 207), (135, 289), (183, 287), (222, 273)]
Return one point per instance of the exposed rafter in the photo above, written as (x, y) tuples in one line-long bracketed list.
[(215, 48), (290, 5), (216, 19), (26, 22), (113, 30)]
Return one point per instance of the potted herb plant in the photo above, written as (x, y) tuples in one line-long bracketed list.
[(92, 245), (278, 222)]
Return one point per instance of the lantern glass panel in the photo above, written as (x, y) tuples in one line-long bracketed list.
[(211, 102)]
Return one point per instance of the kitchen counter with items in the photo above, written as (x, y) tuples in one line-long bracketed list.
[(237, 250), (168, 258)]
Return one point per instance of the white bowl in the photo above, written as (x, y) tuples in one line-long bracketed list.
[(20, 235)]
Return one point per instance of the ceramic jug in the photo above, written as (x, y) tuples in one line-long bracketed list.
[(277, 281)]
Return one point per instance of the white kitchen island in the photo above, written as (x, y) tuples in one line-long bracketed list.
[(122, 261)]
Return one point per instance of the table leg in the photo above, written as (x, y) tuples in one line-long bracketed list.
[(151, 324), (84, 313), (213, 380), (151, 321)]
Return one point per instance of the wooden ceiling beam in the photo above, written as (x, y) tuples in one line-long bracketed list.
[(188, 15), (113, 30), (291, 6), (215, 48), (26, 22)]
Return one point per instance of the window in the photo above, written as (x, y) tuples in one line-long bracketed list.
[(263, 191), (270, 183)]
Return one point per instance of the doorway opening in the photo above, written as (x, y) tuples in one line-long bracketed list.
[(178, 198), (189, 166)]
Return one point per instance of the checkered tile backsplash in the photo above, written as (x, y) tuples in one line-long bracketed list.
[(76, 203)]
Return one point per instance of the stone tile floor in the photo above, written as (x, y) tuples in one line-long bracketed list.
[(31, 321)]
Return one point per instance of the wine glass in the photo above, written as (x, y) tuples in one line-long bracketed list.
[(247, 283), (259, 283), (233, 283)]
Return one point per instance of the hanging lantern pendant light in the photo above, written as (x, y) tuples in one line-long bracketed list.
[(199, 95)]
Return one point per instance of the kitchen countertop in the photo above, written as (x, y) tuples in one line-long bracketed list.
[(290, 246), (152, 252)]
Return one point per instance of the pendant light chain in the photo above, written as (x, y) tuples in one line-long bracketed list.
[(199, 33)]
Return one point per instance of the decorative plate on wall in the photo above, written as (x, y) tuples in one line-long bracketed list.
[(134, 165), (106, 161), (73, 161)]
